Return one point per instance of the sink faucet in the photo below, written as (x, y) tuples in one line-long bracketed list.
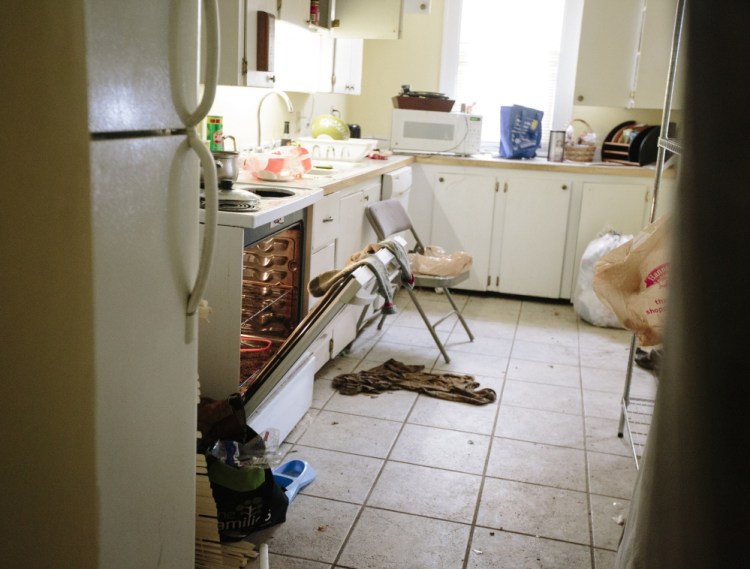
[(283, 96)]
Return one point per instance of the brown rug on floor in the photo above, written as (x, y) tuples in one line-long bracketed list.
[(394, 375)]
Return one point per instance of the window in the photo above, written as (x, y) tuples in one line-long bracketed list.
[(505, 52)]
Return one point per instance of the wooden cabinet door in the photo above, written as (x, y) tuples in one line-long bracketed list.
[(653, 62), (238, 20), (607, 51), (528, 248), (623, 54), (325, 222), (621, 207), (366, 19), (297, 48), (347, 66), (354, 230), (462, 220), (321, 261)]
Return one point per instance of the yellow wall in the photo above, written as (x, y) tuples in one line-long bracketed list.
[(415, 60), (48, 502), (238, 106)]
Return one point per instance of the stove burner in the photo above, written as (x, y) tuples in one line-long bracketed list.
[(272, 192), (231, 205)]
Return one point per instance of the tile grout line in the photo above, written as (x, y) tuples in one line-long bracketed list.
[(495, 423), (478, 505), (589, 506), (362, 506)]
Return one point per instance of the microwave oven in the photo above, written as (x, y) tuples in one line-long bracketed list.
[(435, 132)]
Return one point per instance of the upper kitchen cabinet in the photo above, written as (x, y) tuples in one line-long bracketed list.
[(340, 65), (247, 42), (366, 19), (347, 66), (363, 19), (624, 52), (298, 49)]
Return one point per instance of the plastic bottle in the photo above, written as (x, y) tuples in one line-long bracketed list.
[(286, 138)]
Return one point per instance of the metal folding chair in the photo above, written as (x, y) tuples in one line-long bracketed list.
[(389, 218)]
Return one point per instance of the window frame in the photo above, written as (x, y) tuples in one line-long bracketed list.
[(568, 59)]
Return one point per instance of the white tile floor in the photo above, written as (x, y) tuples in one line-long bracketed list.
[(539, 479)]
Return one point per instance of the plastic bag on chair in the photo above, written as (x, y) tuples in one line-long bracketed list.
[(438, 263)]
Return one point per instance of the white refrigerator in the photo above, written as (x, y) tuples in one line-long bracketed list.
[(150, 267)]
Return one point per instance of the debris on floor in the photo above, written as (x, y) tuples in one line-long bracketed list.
[(648, 359), (209, 550), (393, 375)]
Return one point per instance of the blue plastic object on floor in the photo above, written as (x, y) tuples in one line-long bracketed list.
[(292, 476)]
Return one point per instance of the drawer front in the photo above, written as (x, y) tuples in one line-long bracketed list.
[(325, 222), (322, 260)]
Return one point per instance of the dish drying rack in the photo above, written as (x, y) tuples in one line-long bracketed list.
[(352, 150)]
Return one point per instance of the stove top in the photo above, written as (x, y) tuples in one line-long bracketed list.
[(274, 202)]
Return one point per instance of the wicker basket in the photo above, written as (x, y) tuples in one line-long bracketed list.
[(577, 151)]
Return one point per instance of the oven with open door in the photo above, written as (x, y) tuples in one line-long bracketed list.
[(255, 339)]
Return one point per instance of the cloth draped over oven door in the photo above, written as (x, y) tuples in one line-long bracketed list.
[(366, 258)]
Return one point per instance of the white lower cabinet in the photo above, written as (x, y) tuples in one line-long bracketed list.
[(321, 261), (514, 228), (338, 228), (527, 230), (355, 232), (621, 207), (462, 219), (529, 236)]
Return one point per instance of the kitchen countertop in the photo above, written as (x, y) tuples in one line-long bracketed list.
[(355, 173), (541, 164), (311, 188), (369, 168)]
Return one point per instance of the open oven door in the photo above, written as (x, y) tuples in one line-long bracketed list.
[(275, 398)]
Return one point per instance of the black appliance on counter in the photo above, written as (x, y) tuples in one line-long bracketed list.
[(632, 143)]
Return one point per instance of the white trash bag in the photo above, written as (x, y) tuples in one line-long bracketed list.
[(585, 301)]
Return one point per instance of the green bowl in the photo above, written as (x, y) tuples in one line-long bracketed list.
[(330, 127)]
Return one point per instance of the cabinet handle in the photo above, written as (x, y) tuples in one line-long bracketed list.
[(441, 179), (579, 98), (327, 219), (367, 198), (565, 186)]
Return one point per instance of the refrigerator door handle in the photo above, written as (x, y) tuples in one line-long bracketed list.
[(209, 230), (191, 121), (211, 69)]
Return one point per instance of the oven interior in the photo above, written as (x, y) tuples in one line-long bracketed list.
[(271, 298)]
